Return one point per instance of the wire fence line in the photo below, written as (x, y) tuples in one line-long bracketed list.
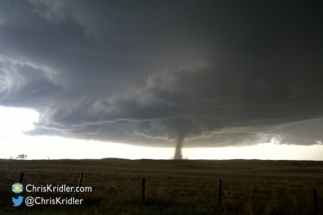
[(152, 189)]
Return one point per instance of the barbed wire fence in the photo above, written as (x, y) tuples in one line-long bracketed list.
[(176, 191)]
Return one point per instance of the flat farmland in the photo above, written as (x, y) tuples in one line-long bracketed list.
[(171, 186)]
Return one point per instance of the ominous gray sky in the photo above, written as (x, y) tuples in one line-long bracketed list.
[(216, 73)]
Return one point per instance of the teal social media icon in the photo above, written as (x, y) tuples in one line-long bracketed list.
[(17, 188), (17, 201)]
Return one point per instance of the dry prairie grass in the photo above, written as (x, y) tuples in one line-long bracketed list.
[(172, 187)]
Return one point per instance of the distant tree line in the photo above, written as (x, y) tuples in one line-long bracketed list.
[(21, 156)]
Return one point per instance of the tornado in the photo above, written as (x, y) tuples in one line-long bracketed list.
[(178, 148)]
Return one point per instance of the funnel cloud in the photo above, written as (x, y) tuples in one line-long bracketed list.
[(178, 148), (166, 74)]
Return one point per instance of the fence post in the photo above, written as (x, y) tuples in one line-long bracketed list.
[(143, 191), (79, 184), (21, 177), (220, 185), (315, 201)]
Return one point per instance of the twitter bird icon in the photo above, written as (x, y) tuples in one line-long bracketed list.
[(17, 202)]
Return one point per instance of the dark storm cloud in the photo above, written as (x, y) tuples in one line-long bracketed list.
[(23, 85), (214, 73)]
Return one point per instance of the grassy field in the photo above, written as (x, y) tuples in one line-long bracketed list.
[(172, 186)]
